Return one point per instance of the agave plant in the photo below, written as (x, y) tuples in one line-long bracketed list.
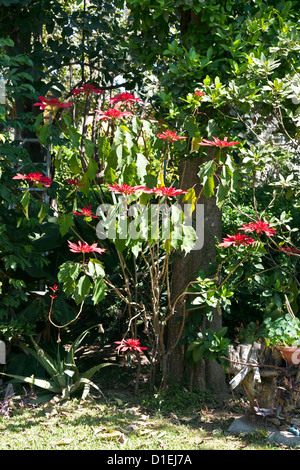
[(65, 378)]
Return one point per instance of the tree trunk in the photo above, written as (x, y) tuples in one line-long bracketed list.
[(184, 268)]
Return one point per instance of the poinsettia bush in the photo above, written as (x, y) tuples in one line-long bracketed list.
[(123, 198), (118, 200)]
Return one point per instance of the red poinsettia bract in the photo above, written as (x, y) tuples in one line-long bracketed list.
[(166, 191), (170, 136), (52, 102), (237, 240), (125, 189), (85, 248), (87, 212), (290, 250), (74, 182), (128, 345), (218, 143), (259, 227), (112, 113), (87, 89), (34, 178), (125, 98)]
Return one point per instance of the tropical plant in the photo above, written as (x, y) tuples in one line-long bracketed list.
[(65, 379), (211, 345), (282, 331)]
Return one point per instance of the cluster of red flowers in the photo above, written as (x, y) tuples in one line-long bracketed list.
[(52, 102), (259, 227), (236, 240), (125, 98), (87, 89), (291, 250), (86, 212), (85, 248), (111, 113), (35, 178), (118, 101), (74, 182), (170, 136), (218, 143), (129, 345), (125, 189)]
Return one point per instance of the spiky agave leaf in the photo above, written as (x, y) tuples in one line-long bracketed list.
[(42, 383)]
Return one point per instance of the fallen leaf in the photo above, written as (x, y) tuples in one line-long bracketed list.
[(110, 435), (131, 428), (63, 442)]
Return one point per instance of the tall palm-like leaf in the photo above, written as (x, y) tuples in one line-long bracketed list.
[(65, 378)]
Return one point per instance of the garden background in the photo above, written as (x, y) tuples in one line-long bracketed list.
[(182, 102)]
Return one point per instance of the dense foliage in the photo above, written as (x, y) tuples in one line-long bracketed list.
[(220, 75)]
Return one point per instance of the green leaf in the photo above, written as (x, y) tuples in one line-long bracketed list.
[(68, 270), (191, 126), (209, 186), (206, 175), (189, 238), (42, 383), (44, 133), (74, 136), (25, 202), (277, 300), (65, 222), (89, 148), (74, 165), (83, 287), (92, 169), (94, 268), (98, 291), (42, 213)]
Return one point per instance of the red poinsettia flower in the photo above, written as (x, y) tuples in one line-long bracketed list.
[(258, 227), (74, 182), (54, 289), (170, 136), (87, 212), (125, 98), (52, 102), (124, 189), (85, 248), (166, 191), (86, 89), (35, 178), (199, 93), (290, 250), (129, 345), (236, 240), (112, 113), (218, 143)]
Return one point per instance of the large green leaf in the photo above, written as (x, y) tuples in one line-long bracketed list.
[(98, 291), (42, 383)]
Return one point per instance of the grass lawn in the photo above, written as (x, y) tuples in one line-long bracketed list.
[(126, 423), (119, 420)]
